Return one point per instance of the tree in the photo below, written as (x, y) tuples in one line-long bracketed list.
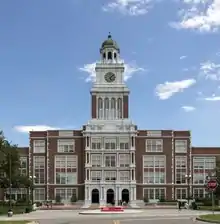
[(9, 163), (217, 173)]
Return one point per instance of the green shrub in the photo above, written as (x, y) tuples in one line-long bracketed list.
[(73, 198), (58, 199)]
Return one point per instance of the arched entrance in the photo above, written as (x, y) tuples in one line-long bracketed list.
[(95, 196), (125, 195), (110, 196)]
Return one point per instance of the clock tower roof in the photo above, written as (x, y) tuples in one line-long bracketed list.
[(110, 43)]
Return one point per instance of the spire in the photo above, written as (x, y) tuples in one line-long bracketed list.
[(109, 35)]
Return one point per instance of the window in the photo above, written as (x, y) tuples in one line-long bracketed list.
[(96, 143), (110, 144), (66, 193), (110, 175), (199, 193), (124, 143), (124, 176), (110, 160), (124, 160), (154, 169), (16, 194), (154, 145), (39, 194), (96, 175), (154, 193), (202, 167), (39, 146), (23, 166), (65, 168), (180, 169), (181, 146), (96, 160), (66, 145), (181, 193), (39, 169)]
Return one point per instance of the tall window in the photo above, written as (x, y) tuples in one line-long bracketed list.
[(202, 167), (100, 108), (23, 167), (154, 145), (110, 175), (181, 146), (96, 175), (106, 106), (113, 108), (110, 160), (124, 160), (96, 143), (39, 169), (154, 169), (66, 145), (66, 169), (96, 160), (66, 193), (124, 176), (154, 193), (124, 143), (39, 194), (110, 144), (199, 193), (180, 169), (181, 193), (39, 146)]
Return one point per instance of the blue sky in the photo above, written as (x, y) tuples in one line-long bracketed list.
[(170, 47)]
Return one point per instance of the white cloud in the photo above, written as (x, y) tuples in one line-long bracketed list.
[(210, 70), (130, 70), (202, 15), (129, 7), (183, 57), (28, 128), (188, 108), (213, 98), (168, 89)]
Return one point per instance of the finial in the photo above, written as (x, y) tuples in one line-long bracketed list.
[(109, 35)]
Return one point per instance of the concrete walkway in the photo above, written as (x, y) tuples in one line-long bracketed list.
[(68, 214)]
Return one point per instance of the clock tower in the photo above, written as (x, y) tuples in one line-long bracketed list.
[(109, 92)]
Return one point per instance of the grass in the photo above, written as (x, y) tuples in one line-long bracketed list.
[(15, 209), (211, 217), (209, 208), (14, 222)]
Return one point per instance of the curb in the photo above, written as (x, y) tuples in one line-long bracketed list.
[(205, 220)]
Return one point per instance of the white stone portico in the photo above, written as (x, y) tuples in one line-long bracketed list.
[(110, 134)]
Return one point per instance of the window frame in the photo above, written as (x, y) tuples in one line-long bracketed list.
[(68, 143), (39, 146), (154, 142)]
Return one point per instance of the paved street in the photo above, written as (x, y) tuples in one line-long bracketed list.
[(68, 217)]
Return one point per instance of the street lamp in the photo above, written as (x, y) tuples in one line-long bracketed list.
[(188, 177), (32, 188)]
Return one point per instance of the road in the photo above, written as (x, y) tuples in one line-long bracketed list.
[(157, 216)]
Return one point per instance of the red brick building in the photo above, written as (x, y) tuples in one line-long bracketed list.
[(110, 157)]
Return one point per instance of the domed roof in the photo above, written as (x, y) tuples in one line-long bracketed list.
[(110, 43)]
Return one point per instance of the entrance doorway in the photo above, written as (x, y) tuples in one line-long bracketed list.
[(95, 196), (110, 196), (125, 195)]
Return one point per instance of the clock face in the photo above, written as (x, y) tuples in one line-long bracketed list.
[(110, 77)]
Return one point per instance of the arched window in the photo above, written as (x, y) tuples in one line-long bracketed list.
[(109, 55)]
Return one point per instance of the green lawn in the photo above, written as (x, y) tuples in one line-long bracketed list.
[(14, 222), (15, 209), (209, 208), (211, 217)]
